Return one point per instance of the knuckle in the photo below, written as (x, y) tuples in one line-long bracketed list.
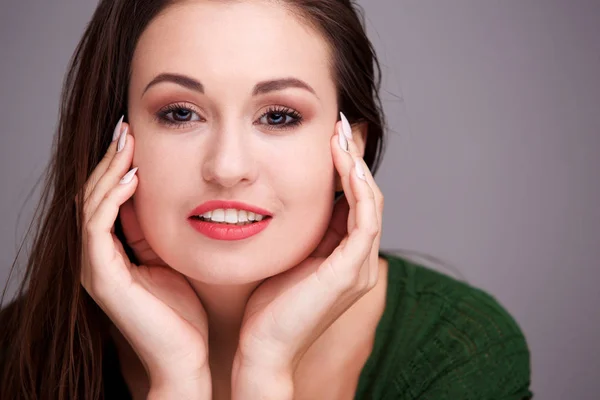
[(363, 285), (349, 281), (372, 230), (326, 274), (380, 201), (331, 276), (87, 212), (372, 281), (108, 195), (371, 194), (90, 228)]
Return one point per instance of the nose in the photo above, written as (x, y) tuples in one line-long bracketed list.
[(229, 161)]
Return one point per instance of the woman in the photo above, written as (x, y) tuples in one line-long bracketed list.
[(197, 249)]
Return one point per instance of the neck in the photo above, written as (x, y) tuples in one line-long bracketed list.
[(225, 306)]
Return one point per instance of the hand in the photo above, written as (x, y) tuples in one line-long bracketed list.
[(288, 312), (152, 305)]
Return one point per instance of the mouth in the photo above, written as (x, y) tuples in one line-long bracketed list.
[(229, 220), (226, 231)]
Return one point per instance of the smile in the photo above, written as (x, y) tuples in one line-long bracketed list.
[(224, 230), (229, 220), (231, 216)]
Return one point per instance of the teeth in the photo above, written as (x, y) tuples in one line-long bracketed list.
[(218, 216), (232, 216)]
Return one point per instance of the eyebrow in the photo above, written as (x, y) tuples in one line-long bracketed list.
[(260, 88)]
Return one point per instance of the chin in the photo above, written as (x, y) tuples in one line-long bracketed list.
[(280, 247), (217, 266)]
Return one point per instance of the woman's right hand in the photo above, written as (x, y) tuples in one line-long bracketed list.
[(152, 305)]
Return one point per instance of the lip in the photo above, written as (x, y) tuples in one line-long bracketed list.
[(226, 204), (220, 231)]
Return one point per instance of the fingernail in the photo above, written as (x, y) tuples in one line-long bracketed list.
[(346, 128), (122, 140), (359, 170), (128, 176), (343, 142), (117, 131)]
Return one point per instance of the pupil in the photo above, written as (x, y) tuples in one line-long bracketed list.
[(182, 115), (276, 117)]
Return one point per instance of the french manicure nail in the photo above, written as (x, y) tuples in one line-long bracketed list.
[(346, 128), (122, 140), (359, 170), (128, 176), (343, 142), (117, 131)]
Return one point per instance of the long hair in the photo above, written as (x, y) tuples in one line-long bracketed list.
[(52, 335)]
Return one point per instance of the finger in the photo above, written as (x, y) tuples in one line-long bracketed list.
[(378, 203), (378, 198), (113, 173), (337, 230), (104, 163), (343, 163), (371, 181), (344, 266), (173, 289), (101, 250)]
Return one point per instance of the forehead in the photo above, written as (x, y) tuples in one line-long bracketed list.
[(239, 42)]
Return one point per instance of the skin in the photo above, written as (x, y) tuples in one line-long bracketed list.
[(225, 147)]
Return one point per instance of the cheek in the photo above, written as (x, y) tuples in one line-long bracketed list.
[(305, 171), (306, 188), (162, 177)]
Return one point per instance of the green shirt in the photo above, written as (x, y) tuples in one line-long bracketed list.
[(440, 338)]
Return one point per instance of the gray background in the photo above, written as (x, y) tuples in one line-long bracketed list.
[(493, 160)]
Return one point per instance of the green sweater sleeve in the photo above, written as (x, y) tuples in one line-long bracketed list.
[(442, 339)]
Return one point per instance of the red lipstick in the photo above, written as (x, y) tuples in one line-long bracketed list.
[(216, 204), (225, 231)]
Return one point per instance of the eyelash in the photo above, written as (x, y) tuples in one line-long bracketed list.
[(286, 111)]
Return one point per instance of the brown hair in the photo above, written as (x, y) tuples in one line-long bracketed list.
[(52, 336)]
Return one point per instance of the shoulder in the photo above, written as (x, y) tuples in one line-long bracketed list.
[(456, 339)]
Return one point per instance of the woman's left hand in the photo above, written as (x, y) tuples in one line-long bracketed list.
[(288, 312)]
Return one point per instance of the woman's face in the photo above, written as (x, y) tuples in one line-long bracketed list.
[(250, 122)]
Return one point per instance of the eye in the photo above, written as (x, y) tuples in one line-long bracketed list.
[(178, 115), (279, 117)]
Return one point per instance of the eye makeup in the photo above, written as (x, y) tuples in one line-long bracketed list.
[(183, 115)]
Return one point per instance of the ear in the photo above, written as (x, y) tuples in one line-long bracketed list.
[(359, 136)]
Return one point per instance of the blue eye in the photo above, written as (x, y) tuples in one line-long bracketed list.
[(276, 117), (280, 118), (178, 115)]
